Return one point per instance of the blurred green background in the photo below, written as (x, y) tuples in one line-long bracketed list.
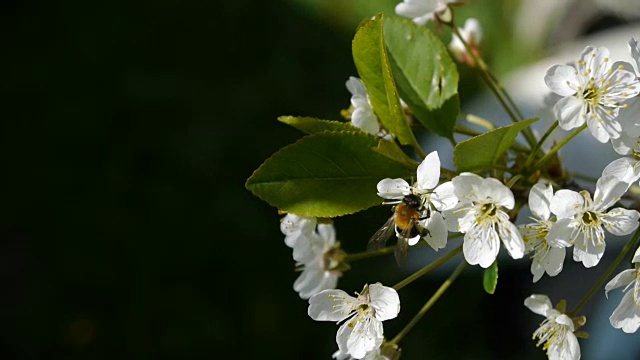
[(128, 131)]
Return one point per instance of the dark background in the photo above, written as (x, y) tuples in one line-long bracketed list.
[(128, 131)]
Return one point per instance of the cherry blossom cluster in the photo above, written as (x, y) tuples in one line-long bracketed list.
[(597, 93)]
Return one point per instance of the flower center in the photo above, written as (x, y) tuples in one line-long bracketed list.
[(333, 260), (489, 210), (590, 218), (551, 334)]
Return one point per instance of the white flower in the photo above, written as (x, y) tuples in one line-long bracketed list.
[(421, 11), (581, 220), (316, 252), (556, 332), (362, 116), (481, 216), (627, 315), (549, 255), (593, 91), (298, 231), (472, 35), (362, 317), (434, 199), (627, 169), (371, 355)]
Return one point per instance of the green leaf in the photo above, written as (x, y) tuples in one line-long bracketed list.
[(490, 278), (326, 174), (370, 57), (483, 150), (426, 76), (391, 150), (311, 125)]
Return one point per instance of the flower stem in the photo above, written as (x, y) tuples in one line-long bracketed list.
[(538, 146), (427, 269), (558, 147), (498, 90), (445, 285), (623, 253)]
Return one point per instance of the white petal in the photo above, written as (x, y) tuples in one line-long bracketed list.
[(536, 270), (356, 86), (554, 261), (511, 239), (466, 186), (494, 191), (539, 304), (444, 197), (327, 235), (566, 203), (563, 232), (429, 171), (436, 235), (609, 189), (311, 282), (569, 111), (393, 188), (359, 337), (364, 118), (567, 350), (587, 253), (620, 221), (627, 315), (331, 305), (307, 248), (624, 169), (385, 301), (602, 123), (540, 200), (481, 247), (636, 256), (419, 10), (624, 278), (562, 80)]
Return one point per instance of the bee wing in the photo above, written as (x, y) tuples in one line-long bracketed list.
[(401, 251), (379, 239), (403, 241)]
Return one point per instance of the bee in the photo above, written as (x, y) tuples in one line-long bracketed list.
[(403, 222)]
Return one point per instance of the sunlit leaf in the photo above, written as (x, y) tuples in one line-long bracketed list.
[(371, 60), (326, 174), (483, 150), (425, 74)]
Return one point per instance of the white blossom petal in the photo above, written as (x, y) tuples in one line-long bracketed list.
[(429, 171), (467, 185), (627, 315), (609, 189), (444, 197), (568, 350), (624, 278), (359, 338), (540, 200), (586, 252), (568, 111), (331, 305), (620, 221), (481, 247), (436, 235), (393, 188), (385, 301), (624, 169), (562, 80), (511, 239), (538, 303), (563, 232), (566, 203), (635, 53)]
